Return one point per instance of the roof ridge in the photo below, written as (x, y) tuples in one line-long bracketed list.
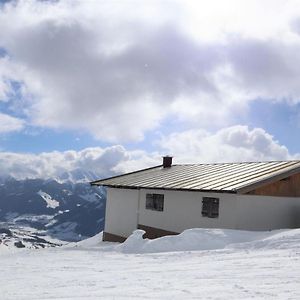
[(238, 162)]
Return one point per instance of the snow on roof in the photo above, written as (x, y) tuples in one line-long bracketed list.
[(219, 177)]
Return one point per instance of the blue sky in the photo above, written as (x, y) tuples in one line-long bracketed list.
[(279, 119), (113, 86)]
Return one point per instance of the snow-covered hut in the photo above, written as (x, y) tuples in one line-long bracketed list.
[(168, 199)]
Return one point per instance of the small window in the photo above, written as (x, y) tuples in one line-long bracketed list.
[(155, 202), (210, 207)]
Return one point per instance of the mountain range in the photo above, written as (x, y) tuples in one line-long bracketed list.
[(65, 208)]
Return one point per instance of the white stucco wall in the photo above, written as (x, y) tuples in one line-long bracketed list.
[(266, 213), (121, 211), (126, 208), (182, 210)]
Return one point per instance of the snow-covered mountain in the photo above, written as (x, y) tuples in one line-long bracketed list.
[(78, 175), (67, 208)]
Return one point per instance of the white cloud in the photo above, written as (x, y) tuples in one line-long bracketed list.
[(117, 70), (213, 20), (8, 71), (236, 143), (101, 161), (9, 124), (89, 70)]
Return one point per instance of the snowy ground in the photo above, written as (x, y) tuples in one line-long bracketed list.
[(235, 265)]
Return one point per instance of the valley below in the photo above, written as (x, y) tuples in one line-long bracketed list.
[(39, 213)]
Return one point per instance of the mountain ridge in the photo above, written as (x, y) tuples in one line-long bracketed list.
[(61, 208)]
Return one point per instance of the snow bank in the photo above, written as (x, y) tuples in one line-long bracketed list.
[(6, 249), (211, 239), (94, 241), (198, 239), (277, 239)]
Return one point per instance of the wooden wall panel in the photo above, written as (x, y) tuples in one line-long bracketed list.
[(153, 233), (288, 187), (109, 237)]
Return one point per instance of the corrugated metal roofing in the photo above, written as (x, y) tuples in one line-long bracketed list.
[(222, 177)]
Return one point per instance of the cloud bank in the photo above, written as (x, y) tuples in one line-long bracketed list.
[(237, 143)]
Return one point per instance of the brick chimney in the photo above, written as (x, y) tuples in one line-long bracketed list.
[(167, 161)]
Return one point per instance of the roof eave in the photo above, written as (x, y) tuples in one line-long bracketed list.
[(169, 189), (101, 181)]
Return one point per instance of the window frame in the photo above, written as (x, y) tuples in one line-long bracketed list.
[(210, 207), (155, 201)]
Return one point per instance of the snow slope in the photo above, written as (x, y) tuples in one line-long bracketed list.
[(200, 264), (52, 203), (16, 238)]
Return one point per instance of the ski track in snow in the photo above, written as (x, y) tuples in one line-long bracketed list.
[(86, 270)]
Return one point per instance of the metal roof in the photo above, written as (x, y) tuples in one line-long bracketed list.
[(220, 177)]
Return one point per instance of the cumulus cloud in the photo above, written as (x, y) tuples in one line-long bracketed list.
[(84, 83), (236, 143), (99, 161), (267, 70), (102, 74), (118, 72)]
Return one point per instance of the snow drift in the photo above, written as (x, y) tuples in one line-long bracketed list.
[(198, 239)]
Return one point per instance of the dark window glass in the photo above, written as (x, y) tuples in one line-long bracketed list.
[(155, 202), (210, 207)]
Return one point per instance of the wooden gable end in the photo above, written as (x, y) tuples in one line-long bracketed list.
[(286, 187)]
